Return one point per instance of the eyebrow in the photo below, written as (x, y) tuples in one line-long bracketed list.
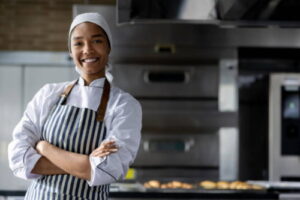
[(93, 36)]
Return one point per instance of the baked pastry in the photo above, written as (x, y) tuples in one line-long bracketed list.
[(234, 184), (243, 186), (208, 184), (187, 186), (176, 184), (224, 185), (257, 187), (152, 184)]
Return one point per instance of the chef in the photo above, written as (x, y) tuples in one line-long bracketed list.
[(75, 138)]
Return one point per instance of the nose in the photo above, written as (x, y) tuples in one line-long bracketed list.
[(88, 48)]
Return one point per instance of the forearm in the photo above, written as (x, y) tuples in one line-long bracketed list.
[(72, 163), (45, 167)]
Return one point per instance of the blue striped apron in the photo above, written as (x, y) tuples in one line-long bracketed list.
[(74, 129)]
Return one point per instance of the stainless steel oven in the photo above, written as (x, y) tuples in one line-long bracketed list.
[(284, 127), (186, 133)]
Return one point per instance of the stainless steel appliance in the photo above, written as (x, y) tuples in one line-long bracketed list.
[(189, 119), (224, 13), (284, 126)]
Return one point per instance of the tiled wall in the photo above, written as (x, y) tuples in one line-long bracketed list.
[(37, 24)]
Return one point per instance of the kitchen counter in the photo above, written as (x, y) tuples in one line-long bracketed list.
[(133, 190), (220, 195), (194, 195)]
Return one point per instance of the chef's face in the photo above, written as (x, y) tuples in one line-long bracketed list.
[(89, 50)]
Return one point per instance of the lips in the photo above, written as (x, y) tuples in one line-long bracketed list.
[(89, 60)]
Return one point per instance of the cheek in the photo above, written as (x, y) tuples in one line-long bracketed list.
[(75, 56), (104, 54), (105, 58)]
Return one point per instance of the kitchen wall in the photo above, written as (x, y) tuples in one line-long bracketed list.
[(37, 24)]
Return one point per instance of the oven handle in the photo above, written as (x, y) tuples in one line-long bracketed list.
[(167, 76), (188, 144)]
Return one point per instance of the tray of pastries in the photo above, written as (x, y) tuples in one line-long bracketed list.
[(155, 184), (232, 185), (205, 185)]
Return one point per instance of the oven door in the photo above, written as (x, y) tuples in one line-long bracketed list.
[(181, 149)]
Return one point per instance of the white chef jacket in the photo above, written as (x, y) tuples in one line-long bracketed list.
[(122, 120)]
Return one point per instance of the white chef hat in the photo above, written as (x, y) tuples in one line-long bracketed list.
[(99, 20), (95, 18)]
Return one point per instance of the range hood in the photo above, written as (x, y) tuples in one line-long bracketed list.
[(216, 12), (269, 11)]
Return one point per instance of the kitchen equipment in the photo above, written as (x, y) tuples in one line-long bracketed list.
[(284, 127), (185, 133), (224, 13)]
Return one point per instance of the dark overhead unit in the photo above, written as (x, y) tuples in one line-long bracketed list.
[(269, 10), (226, 12), (235, 9)]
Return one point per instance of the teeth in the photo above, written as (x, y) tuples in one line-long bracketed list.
[(89, 60)]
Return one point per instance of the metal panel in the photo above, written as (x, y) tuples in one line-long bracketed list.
[(194, 116), (197, 81), (35, 58), (228, 92), (229, 153), (11, 111), (37, 76)]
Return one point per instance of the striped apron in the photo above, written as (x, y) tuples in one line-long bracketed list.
[(77, 130)]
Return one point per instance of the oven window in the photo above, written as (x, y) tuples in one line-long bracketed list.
[(167, 145), (290, 101)]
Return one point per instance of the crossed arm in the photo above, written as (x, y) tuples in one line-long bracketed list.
[(58, 161)]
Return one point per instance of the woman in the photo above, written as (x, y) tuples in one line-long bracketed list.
[(56, 141)]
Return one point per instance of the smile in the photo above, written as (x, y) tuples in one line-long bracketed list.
[(89, 60)]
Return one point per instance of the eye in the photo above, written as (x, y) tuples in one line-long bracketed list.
[(77, 43), (97, 41)]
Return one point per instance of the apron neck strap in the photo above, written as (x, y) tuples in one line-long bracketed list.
[(103, 100), (67, 91)]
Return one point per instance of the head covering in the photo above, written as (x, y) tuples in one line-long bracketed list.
[(95, 18), (99, 20)]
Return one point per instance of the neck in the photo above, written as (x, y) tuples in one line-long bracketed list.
[(90, 78)]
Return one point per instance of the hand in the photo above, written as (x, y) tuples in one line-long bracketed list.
[(105, 148), (41, 146)]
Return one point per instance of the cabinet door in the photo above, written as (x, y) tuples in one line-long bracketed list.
[(36, 77), (10, 114)]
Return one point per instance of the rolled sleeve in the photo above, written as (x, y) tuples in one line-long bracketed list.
[(125, 129), (22, 156), (97, 174), (23, 165)]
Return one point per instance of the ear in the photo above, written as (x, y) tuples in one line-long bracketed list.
[(70, 54)]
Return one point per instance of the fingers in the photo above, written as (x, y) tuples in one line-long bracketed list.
[(106, 148), (112, 150), (108, 144), (103, 151), (102, 154)]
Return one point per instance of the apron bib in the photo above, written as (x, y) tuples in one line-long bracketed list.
[(78, 130)]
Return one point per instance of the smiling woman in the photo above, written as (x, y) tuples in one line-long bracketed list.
[(76, 138), (90, 50)]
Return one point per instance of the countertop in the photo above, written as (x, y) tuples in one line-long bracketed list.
[(178, 195)]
